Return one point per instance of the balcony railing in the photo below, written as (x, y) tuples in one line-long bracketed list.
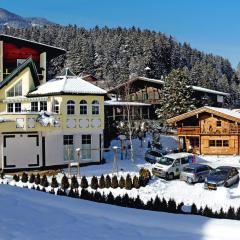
[(217, 131), (188, 131)]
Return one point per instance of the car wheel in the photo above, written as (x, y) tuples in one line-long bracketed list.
[(169, 176), (189, 180), (226, 185)]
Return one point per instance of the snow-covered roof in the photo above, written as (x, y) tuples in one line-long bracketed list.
[(67, 84), (207, 90), (119, 103), (231, 114)]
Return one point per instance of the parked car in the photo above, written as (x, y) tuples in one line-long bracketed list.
[(222, 176), (195, 173), (171, 165), (153, 156)]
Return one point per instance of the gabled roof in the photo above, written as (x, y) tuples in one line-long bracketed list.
[(52, 51), (28, 63), (67, 85), (156, 82), (229, 114)]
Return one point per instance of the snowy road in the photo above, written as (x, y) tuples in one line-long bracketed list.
[(28, 214)]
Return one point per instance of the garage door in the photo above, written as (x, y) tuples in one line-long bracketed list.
[(21, 150)]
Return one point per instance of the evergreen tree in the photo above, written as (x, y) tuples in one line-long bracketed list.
[(172, 206), (108, 182), (194, 209), (32, 178), (136, 182), (121, 182), (74, 182), (65, 183), (114, 183), (44, 182), (128, 184), (37, 179), (157, 205), (110, 198), (94, 183), (102, 182), (24, 178), (54, 183), (231, 213), (177, 96), (84, 182), (16, 178)]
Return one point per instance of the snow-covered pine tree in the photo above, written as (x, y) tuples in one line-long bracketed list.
[(177, 96)]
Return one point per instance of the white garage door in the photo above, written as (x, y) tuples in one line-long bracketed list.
[(21, 150)]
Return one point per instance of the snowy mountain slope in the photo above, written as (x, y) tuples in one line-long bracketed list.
[(13, 20), (29, 214)]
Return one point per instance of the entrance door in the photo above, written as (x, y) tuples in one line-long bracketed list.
[(194, 144)]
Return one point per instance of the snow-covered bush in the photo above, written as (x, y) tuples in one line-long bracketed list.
[(37, 179), (121, 183), (54, 183), (108, 182), (16, 178), (128, 183), (64, 183), (44, 182), (74, 182), (24, 177), (136, 182), (32, 178), (102, 182)]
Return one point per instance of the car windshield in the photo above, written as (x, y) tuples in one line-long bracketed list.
[(218, 171), (166, 161), (189, 170)]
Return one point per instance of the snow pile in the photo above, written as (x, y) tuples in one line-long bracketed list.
[(28, 214)]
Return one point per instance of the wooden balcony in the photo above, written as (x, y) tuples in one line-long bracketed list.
[(188, 131)]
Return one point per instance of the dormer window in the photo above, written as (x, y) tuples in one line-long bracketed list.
[(16, 90)]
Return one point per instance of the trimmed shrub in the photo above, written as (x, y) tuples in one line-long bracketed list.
[(71, 193), (52, 191), (24, 177), (54, 183), (238, 214), (64, 183), (94, 183), (108, 182), (138, 203), (38, 188), (2, 175), (16, 178), (33, 188), (114, 183), (37, 179), (157, 204), (128, 184), (121, 183), (74, 182), (136, 182), (84, 182), (149, 205), (32, 178), (172, 206), (118, 200), (125, 200), (43, 189), (110, 198), (207, 212), (194, 209), (231, 213), (98, 197), (164, 206), (102, 182), (179, 207), (221, 214), (44, 182)]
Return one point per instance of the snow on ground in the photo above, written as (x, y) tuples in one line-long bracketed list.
[(28, 214), (176, 189)]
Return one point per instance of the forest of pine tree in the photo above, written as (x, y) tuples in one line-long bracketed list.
[(115, 54)]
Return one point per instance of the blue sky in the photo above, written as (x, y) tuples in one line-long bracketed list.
[(208, 25)]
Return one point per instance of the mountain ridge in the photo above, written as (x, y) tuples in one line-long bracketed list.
[(10, 19)]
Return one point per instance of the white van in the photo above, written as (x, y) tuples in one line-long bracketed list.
[(171, 165)]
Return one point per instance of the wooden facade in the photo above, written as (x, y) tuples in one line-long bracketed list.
[(209, 130)]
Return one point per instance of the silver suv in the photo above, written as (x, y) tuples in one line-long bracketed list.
[(153, 156), (195, 173)]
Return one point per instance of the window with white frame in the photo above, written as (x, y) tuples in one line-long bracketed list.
[(68, 144), (70, 107), (86, 147), (16, 90), (56, 106), (38, 106), (95, 107), (14, 107), (83, 107)]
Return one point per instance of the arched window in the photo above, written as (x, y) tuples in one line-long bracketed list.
[(83, 107), (56, 106), (70, 107), (95, 107)]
